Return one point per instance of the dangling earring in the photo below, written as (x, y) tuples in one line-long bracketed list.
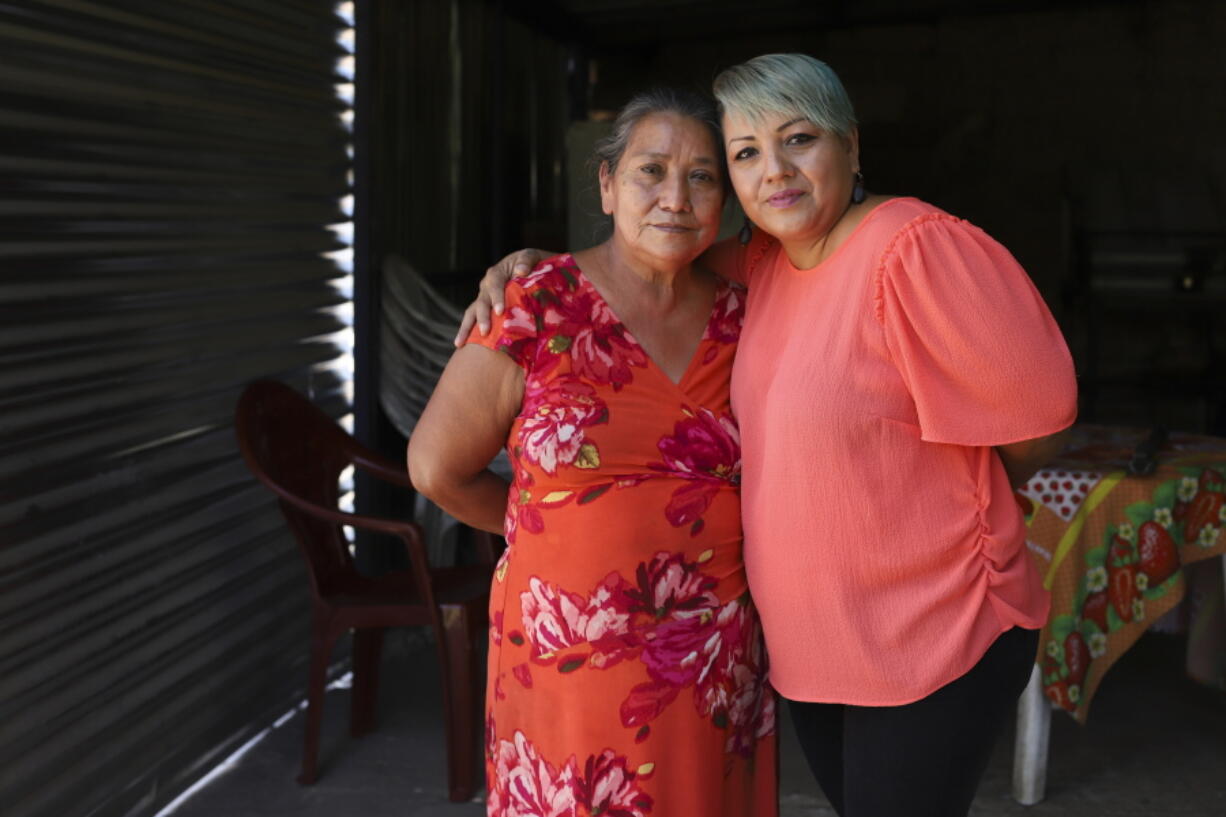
[(746, 232), (857, 192)]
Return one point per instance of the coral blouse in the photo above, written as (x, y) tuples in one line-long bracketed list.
[(883, 545)]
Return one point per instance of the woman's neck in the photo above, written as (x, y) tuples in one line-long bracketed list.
[(666, 309), (646, 281), (806, 252)]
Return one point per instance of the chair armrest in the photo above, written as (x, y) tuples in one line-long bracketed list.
[(408, 532), (380, 466), (393, 527)]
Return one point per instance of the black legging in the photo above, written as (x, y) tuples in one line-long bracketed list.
[(922, 759)]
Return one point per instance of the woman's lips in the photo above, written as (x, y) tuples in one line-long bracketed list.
[(672, 228), (785, 198)]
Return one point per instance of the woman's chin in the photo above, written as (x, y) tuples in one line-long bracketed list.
[(672, 249), (789, 227)]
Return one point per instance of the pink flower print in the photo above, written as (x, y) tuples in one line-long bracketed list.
[(604, 615), (646, 701), (614, 647), (609, 626), (728, 627), (679, 652), (510, 524), (491, 735), (551, 617), (549, 284), (528, 786), (669, 585), (607, 787), (706, 451), (556, 619), (578, 322), (555, 416), (752, 714), (764, 720), (689, 502), (530, 519), (702, 446), (732, 688), (528, 327), (521, 512), (519, 334), (496, 628), (524, 323), (601, 350), (726, 318), (738, 711), (572, 319)]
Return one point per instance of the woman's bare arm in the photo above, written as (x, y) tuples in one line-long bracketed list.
[(1023, 459), (462, 428)]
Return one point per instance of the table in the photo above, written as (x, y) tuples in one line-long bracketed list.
[(1112, 548)]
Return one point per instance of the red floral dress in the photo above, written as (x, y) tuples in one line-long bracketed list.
[(626, 669)]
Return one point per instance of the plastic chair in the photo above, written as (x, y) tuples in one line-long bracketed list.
[(295, 449)]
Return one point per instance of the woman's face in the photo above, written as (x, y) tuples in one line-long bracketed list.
[(793, 179), (667, 192)]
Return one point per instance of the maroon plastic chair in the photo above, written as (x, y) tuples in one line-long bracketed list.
[(299, 452)]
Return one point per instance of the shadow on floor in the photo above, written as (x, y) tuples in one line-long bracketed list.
[(1155, 745)]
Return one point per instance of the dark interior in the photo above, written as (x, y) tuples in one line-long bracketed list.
[(1083, 135)]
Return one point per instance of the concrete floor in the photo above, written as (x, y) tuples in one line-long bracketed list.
[(1155, 745)]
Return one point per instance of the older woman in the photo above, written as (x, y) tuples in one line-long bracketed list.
[(897, 373), (626, 671)]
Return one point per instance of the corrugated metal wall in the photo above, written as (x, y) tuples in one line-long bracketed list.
[(167, 172)]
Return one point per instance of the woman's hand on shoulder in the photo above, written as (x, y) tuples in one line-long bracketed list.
[(490, 291)]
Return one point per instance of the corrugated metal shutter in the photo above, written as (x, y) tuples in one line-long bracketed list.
[(167, 174)]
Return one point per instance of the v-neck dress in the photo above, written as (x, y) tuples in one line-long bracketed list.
[(626, 666)]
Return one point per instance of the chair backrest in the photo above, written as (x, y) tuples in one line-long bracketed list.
[(297, 450)]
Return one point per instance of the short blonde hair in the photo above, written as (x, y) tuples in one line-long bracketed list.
[(791, 84)]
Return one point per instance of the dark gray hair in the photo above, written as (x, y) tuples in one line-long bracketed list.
[(789, 84), (609, 150)]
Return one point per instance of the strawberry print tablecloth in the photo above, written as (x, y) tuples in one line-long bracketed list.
[(1115, 548)]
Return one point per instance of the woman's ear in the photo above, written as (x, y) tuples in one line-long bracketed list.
[(853, 149), (606, 189)]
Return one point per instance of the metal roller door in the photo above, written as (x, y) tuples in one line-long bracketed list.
[(168, 175)]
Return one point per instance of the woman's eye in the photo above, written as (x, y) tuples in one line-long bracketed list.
[(744, 153), (702, 176), (800, 138), (653, 170)]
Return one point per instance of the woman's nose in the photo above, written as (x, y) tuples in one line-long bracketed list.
[(674, 194), (777, 166)]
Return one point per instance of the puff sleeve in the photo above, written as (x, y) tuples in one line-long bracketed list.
[(971, 337), (515, 332)]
